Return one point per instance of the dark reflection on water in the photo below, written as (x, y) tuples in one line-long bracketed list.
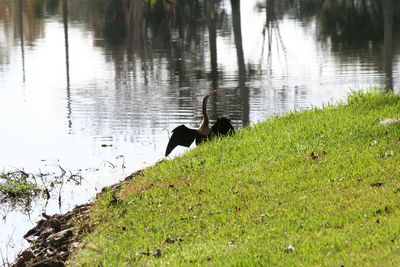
[(76, 75)]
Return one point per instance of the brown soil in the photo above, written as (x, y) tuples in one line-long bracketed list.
[(54, 238)]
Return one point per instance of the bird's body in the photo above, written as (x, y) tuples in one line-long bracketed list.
[(185, 136)]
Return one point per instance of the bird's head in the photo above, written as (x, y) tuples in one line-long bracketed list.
[(205, 99)]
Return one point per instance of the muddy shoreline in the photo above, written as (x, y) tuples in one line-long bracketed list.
[(55, 237)]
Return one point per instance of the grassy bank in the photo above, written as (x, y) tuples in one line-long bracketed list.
[(318, 187)]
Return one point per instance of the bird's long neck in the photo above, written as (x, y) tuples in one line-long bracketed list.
[(205, 114), (206, 120)]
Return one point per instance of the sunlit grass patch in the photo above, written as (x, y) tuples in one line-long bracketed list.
[(317, 187)]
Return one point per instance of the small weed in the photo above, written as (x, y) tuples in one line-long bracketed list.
[(18, 184)]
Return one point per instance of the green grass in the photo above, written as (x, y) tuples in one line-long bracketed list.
[(325, 181), (17, 184)]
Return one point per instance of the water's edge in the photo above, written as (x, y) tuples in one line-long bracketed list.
[(55, 237)]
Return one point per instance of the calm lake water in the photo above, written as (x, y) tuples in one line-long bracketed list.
[(95, 86)]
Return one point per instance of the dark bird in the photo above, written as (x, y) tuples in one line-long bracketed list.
[(184, 136)]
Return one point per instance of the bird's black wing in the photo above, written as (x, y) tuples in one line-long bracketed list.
[(222, 126), (181, 136)]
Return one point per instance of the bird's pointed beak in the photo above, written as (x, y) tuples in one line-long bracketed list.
[(212, 93)]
